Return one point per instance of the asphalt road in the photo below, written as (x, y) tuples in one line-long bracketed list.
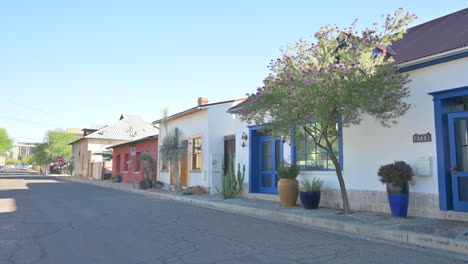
[(44, 220)]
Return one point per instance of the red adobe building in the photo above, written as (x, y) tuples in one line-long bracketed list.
[(128, 166)]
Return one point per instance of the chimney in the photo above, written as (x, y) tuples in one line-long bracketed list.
[(202, 101)]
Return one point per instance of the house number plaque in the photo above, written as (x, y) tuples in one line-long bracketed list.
[(418, 138)]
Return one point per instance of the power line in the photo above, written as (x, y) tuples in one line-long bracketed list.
[(40, 110), (26, 121)]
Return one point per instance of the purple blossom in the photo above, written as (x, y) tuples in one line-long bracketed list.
[(292, 88), (294, 109), (306, 82)]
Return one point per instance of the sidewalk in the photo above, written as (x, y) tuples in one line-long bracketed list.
[(424, 232)]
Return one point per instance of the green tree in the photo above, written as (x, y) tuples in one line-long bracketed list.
[(6, 143), (12, 161), (55, 145), (172, 150), (342, 76), (27, 160)]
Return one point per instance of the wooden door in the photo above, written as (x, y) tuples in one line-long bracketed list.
[(184, 168)]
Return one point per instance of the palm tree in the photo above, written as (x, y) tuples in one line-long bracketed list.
[(172, 150)]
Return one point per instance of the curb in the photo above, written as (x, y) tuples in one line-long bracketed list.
[(411, 238)]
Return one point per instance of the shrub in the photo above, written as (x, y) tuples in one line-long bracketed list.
[(160, 183), (311, 186), (144, 184), (395, 173), (116, 178), (288, 171)]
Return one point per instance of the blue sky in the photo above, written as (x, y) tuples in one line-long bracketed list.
[(76, 63)]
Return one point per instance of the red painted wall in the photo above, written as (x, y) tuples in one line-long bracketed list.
[(119, 160)]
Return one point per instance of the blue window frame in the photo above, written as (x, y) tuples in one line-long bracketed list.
[(310, 157)]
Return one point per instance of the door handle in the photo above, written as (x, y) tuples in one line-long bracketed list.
[(454, 170)]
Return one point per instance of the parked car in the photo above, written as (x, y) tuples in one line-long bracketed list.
[(2, 168)]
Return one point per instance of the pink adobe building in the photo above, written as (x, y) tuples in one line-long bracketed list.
[(128, 166)]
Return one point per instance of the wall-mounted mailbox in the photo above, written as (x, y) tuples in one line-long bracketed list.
[(423, 166)]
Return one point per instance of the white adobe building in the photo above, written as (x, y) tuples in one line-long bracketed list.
[(208, 132)]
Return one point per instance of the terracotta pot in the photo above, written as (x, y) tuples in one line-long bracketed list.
[(288, 190)]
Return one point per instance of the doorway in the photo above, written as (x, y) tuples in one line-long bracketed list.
[(183, 166), (458, 145), (229, 151), (270, 159)]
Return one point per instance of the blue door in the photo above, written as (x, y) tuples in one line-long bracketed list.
[(458, 141), (271, 151)]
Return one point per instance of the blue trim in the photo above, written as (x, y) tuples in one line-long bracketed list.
[(254, 162), (445, 94), (457, 204), (444, 181), (443, 101), (340, 142), (255, 139), (434, 62), (293, 145)]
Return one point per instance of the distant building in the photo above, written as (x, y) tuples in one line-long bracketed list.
[(75, 131), (23, 150), (90, 151)]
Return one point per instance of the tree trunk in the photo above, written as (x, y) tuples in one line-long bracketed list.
[(176, 177), (339, 174)]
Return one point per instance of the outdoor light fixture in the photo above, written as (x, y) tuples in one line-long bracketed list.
[(244, 138)]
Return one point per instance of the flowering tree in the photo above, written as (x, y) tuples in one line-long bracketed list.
[(345, 74)]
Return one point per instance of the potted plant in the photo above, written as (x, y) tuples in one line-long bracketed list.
[(396, 176), (288, 186), (310, 193), (117, 178)]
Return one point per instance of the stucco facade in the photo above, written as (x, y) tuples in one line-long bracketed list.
[(212, 124), (128, 166), (87, 155)]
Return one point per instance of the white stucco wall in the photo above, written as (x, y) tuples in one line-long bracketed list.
[(369, 145), (191, 125), (212, 124)]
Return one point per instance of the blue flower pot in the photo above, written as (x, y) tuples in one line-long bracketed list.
[(310, 200), (398, 198)]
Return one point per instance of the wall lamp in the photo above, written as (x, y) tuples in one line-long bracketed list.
[(244, 138)]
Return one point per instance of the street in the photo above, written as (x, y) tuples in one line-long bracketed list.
[(45, 220)]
